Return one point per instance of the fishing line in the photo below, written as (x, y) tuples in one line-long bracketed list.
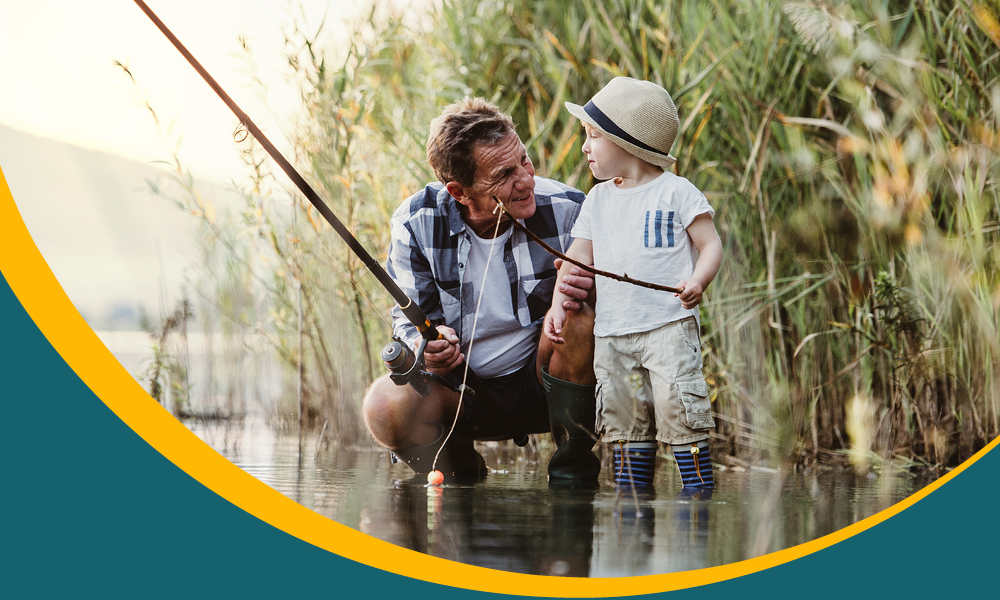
[(472, 336)]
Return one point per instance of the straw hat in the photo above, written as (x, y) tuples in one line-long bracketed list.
[(637, 115)]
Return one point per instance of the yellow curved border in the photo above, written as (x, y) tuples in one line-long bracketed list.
[(41, 295)]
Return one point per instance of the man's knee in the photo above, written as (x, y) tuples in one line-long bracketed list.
[(398, 418), (385, 410), (579, 327)]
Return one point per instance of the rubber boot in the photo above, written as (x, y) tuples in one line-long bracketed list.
[(695, 464), (572, 413), (458, 458), (635, 463), (569, 534)]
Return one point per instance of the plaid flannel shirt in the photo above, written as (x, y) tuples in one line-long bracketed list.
[(429, 252)]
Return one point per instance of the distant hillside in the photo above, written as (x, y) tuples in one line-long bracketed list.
[(112, 244)]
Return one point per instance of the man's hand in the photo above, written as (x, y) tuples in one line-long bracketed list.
[(578, 285), (441, 356), (552, 328), (691, 291)]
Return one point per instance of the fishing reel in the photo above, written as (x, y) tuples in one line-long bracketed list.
[(406, 367)]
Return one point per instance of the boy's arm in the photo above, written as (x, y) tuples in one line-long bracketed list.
[(706, 239), (581, 250)]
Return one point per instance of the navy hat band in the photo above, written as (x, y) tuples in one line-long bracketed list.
[(605, 123)]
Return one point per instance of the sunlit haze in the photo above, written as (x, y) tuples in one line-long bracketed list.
[(78, 146), (60, 80)]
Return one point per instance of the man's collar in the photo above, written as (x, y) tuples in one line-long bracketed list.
[(455, 223)]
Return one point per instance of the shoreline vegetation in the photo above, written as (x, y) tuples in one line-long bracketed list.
[(850, 150)]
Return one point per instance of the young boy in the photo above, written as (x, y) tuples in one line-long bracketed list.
[(654, 226)]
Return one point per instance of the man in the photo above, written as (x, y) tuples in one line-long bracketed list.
[(449, 243)]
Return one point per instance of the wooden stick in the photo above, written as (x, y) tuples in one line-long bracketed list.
[(625, 278)]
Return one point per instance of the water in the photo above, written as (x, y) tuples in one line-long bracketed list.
[(513, 521)]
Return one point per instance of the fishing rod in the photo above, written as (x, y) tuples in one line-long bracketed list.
[(405, 365)]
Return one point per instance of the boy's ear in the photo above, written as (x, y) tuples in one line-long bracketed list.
[(458, 192)]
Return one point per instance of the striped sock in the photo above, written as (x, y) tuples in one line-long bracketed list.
[(695, 464), (635, 463)]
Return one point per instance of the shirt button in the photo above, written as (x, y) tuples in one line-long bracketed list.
[(461, 265)]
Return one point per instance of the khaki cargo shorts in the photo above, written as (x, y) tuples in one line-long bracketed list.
[(650, 385)]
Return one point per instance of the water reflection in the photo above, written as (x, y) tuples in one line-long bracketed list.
[(514, 521)]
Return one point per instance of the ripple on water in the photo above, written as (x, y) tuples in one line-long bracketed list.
[(515, 522)]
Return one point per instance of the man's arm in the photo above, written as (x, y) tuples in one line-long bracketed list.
[(410, 269), (706, 239)]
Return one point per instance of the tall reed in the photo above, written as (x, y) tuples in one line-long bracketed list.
[(850, 150)]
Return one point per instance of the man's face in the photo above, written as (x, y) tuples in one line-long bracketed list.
[(505, 171)]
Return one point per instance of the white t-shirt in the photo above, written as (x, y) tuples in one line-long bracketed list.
[(501, 344), (641, 232)]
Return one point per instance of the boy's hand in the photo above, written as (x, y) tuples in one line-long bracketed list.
[(691, 291), (552, 328), (578, 285), (441, 356)]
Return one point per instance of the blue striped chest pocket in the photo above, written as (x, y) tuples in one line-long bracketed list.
[(657, 228)]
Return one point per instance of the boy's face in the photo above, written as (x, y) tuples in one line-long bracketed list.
[(607, 159)]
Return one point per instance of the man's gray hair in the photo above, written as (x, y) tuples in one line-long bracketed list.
[(455, 134)]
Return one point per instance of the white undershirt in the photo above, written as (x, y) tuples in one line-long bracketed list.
[(501, 345)]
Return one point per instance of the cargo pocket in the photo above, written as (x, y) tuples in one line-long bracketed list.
[(599, 416), (691, 335), (697, 407)]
